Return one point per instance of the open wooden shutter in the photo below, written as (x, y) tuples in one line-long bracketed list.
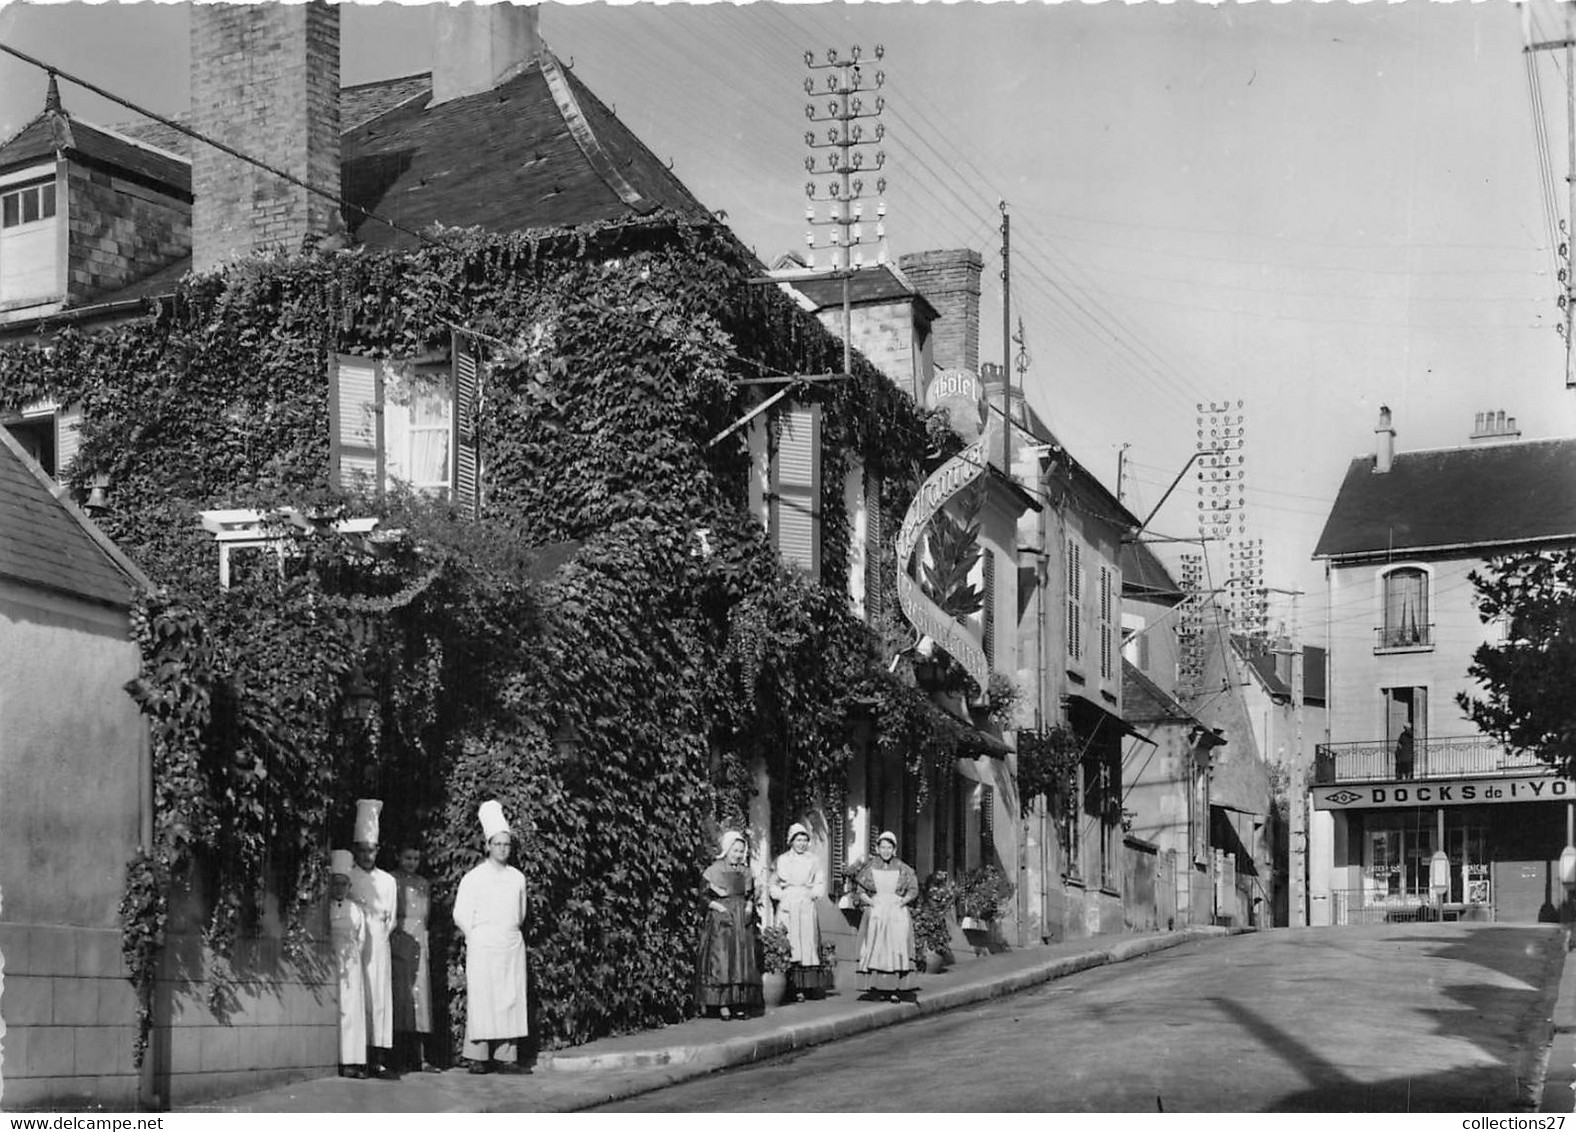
[(875, 550), (796, 517), (355, 412), (465, 448), (68, 438), (988, 569)]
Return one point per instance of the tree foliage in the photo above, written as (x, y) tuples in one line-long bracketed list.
[(1527, 702)]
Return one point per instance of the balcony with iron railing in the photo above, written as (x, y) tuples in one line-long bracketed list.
[(1461, 756), (1403, 638)]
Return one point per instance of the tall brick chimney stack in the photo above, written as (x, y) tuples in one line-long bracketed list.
[(950, 281), (265, 80), (478, 46)]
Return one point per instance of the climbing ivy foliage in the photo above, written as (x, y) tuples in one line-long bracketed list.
[(614, 706)]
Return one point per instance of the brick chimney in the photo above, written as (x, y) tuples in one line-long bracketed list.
[(1494, 427), (265, 80), (1384, 442), (478, 46), (950, 282)]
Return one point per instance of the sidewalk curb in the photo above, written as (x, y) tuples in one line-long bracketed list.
[(699, 1060), (1555, 1068)]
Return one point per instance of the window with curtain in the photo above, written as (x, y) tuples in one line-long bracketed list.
[(1405, 609)]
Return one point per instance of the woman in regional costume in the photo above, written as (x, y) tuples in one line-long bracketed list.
[(797, 884), (348, 929), (489, 910), (728, 977), (886, 888)]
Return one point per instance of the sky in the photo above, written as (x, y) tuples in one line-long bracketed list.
[(1312, 208)]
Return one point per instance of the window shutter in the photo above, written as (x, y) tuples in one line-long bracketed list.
[(355, 410), (1105, 622), (796, 517), (987, 824), (68, 438), (875, 549), (466, 448), (1074, 600), (838, 833), (988, 569)]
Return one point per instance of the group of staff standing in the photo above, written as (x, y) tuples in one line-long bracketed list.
[(379, 928), (728, 981)]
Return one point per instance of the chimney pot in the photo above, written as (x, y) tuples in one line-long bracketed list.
[(1384, 448)]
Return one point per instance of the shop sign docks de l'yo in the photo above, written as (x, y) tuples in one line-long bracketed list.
[(1476, 791)]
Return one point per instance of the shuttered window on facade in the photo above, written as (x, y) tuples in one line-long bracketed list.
[(1074, 600), (413, 423), (796, 489), (1107, 630), (875, 550), (988, 570), (987, 824)]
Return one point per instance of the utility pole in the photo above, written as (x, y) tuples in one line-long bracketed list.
[(1121, 466), (1006, 338), (843, 115), (1567, 296)]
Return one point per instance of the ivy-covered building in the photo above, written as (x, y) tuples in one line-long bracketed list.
[(521, 331)]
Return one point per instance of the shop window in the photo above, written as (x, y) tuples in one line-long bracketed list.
[(1406, 622)]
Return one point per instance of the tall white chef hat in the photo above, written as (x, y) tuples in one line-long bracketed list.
[(492, 819), (367, 811), (340, 862)]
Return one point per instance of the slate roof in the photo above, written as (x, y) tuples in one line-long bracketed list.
[(1471, 498), (1145, 577), (512, 158), (879, 283), (1144, 701), (1261, 659), (55, 130), (45, 542)]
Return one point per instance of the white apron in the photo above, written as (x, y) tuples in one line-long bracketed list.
[(799, 879), (377, 894), (348, 929), (489, 910)]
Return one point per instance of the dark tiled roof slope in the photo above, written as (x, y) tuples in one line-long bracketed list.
[(1262, 660), (868, 285), (1474, 497), (503, 160), (363, 102), (43, 544), (52, 130), (1145, 576), (1144, 701)]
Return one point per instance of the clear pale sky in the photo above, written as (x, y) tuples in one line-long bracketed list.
[(1313, 208)]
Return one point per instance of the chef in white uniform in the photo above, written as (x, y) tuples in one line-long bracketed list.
[(348, 929), (378, 895), (489, 910)]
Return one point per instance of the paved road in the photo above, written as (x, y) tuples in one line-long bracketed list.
[(1431, 1017)]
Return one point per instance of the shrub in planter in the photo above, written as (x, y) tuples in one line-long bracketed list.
[(982, 895), (928, 914), (776, 954)]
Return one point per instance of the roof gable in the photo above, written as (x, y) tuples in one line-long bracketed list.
[(1455, 498), (50, 545)]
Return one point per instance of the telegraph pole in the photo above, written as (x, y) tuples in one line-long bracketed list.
[(1006, 338), (843, 115), (1567, 296)]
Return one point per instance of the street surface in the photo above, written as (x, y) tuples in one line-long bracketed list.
[(1430, 1018)]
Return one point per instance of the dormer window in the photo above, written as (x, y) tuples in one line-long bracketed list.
[(28, 204)]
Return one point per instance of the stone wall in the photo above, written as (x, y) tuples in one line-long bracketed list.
[(121, 232)]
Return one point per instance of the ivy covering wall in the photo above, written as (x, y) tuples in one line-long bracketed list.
[(612, 705)]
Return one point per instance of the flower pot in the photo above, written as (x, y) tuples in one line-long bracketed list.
[(774, 985), (974, 924), (934, 961)]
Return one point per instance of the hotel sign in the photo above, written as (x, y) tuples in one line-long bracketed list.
[(924, 614), (1462, 791)]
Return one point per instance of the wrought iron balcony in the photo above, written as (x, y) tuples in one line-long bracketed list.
[(1461, 756), (1401, 638)]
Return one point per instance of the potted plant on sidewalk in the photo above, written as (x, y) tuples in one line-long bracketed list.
[(776, 954), (981, 897), (928, 914)]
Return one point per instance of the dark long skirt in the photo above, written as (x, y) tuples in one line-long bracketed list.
[(727, 971)]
